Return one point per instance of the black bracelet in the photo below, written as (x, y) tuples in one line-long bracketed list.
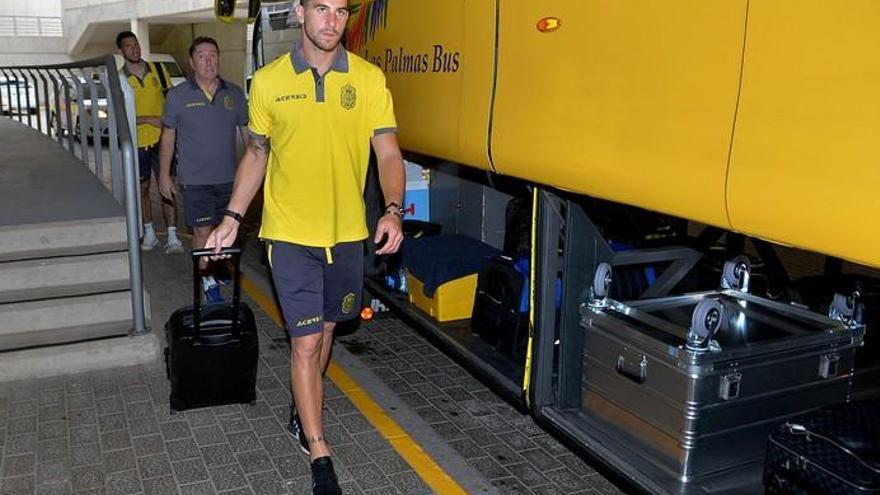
[(394, 209), (237, 216)]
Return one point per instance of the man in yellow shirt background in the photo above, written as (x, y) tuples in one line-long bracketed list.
[(149, 82)]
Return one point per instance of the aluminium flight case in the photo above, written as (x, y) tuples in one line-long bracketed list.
[(212, 360), (694, 410)]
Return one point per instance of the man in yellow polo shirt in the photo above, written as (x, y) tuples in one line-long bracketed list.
[(313, 116), (149, 85)]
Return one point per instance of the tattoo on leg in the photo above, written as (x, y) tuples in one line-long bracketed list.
[(317, 439)]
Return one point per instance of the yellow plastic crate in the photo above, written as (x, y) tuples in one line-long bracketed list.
[(453, 300)]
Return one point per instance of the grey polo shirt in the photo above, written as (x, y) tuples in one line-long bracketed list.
[(205, 131)]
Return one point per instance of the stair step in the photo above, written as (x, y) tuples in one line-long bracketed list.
[(75, 237), (64, 276), (79, 357), (64, 320)]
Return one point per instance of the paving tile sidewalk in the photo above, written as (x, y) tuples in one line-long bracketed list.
[(111, 432), (503, 445)]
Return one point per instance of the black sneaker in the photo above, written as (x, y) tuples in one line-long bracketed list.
[(324, 481), (295, 428)]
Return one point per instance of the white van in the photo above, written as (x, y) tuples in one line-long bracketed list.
[(164, 59), (167, 61), (171, 67)]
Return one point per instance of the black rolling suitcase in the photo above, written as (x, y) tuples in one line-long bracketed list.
[(832, 451), (500, 313), (212, 360)]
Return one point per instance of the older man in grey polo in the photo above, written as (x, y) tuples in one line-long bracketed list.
[(202, 115)]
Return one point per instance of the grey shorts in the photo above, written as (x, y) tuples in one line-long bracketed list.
[(315, 285), (204, 205)]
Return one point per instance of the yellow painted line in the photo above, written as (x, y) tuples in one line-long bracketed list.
[(431, 473), (263, 300)]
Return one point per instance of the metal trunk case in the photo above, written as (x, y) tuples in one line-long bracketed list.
[(694, 413)]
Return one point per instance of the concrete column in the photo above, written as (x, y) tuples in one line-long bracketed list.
[(141, 29)]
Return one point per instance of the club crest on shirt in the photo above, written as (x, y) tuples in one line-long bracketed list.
[(348, 98), (228, 103), (154, 83)]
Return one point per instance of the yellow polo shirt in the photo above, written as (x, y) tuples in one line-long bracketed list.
[(319, 130), (149, 100)]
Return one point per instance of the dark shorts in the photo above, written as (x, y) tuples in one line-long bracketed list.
[(204, 205), (313, 289), (148, 162)]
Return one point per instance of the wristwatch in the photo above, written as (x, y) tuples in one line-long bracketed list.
[(394, 209)]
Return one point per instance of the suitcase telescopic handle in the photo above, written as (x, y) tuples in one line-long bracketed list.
[(797, 429), (233, 252)]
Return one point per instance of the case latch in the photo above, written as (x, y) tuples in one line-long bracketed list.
[(730, 386), (829, 365)]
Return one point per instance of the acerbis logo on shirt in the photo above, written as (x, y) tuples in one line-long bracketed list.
[(297, 96)]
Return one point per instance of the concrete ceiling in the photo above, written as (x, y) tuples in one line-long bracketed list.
[(193, 17), (108, 31), (160, 26)]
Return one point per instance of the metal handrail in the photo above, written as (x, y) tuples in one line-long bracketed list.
[(80, 75)]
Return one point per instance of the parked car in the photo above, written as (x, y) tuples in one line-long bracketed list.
[(76, 114), (10, 92), (171, 67)]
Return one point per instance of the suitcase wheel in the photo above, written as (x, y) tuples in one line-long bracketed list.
[(602, 281), (166, 352), (176, 405), (705, 321), (735, 273)]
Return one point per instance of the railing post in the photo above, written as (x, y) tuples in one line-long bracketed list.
[(27, 95), (54, 119), (128, 192), (84, 155), (8, 92), (116, 181), (132, 194), (17, 98), (46, 102), (97, 144), (68, 118)]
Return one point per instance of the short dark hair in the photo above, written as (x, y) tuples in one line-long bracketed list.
[(200, 41), (121, 36), (304, 2)]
